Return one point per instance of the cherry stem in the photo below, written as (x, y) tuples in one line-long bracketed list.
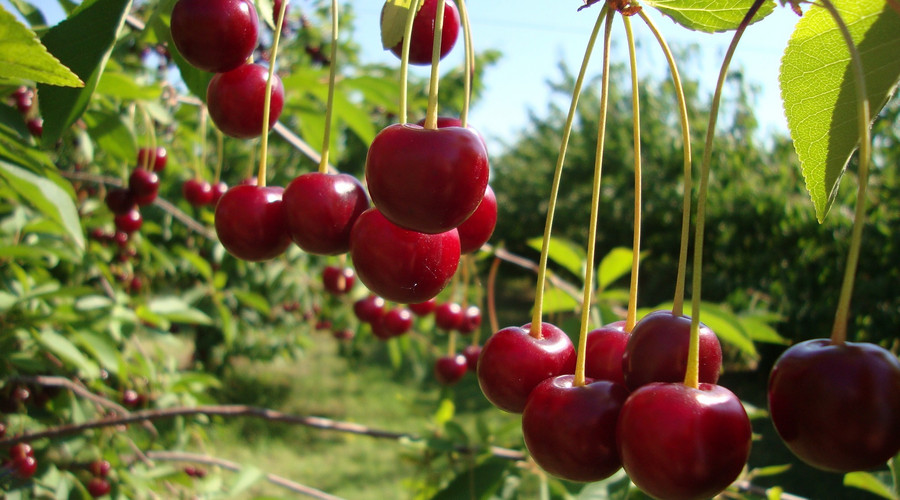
[(491, 300), (636, 245), (466, 279), (595, 209), (692, 375), (204, 131), (678, 302), (151, 131), (451, 343), (220, 155), (470, 62), (839, 331), (432, 114), (537, 314), (332, 71), (404, 57), (267, 103)]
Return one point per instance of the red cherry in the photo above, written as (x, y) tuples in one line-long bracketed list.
[(657, 351), (215, 35), (129, 222), (250, 222), (197, 192), (513, 362), (24, 99), (471, 320), (478, 228), (603, 357), (25, 467), (2, 430), (218, 189), (449, 369), (369, 309), (397, 321), (236, 100), (35, 126), (338, 281), (472, 352), (571, 431), (144, 186), (323, 324), (276, 9), (155, 161), (683, 443), (448, 316), (837, 406), (421, 44), (20, 451), (427, 180), (119, 200), (121, 237), (321, 209), (98, 487), (423, 308), (401, 265), (131, 398), (343, 335), (99, 468)]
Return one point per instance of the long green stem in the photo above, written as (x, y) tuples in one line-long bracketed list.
[(332, 72), (469, 62), (692, 375), (220, 155), (839, 331), (404, 58), (204, 132), (636, 244), (267, 103), (432, 115), (678, 302), (595, 210), (557, 175)]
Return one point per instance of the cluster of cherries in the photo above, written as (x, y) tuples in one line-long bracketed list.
[(21, 461), (23, 98), (98, 485), (142, 189)]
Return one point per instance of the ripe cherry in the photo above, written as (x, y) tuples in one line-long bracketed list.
[(338, 281), (24, 99), (448, 316), (197, 192), (250, 222), (99, 468), (449, 369), (423, 308), (144, 186), (471, 320), (25, 467), (215, 35), (837, 406), (119, 200), (369, 309), (20, 451), (35, 126), (321, 209), (98, 487), (2, 430), (129, 222), (343, 335), (603, 357), (397, 321), (513, 362), (571, 431), (427, 180), (478, 228), (156, 161), (683, 443), (421, 44), (218, 189), (657, 351), (401, 265), (131, 398), (236, 100), (472, 352)]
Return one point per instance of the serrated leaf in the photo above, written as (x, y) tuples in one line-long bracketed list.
[(83, 42), (709, 16), (818, 89), (614, 265), (393, 21), (867, 481), (112, 135), (22, 55), (564, 253), (66, 351)]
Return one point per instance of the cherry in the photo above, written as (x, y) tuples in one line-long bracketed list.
[(422, 43), (24, 99), (323, 324), (683, 443), (471, 320), (427, 180), (131, 398), (397, 321), (338, 281), (276, 9), (837, 406), (197, 192), (99, 468), (20, 451), (119, 200), (449, 369), (369, 309), (343, 335), (144, 185), (218, 189), (25, 467), (657, 351), (571, 431), (250, 222), (215, 35), (35, 126), (402, 265), (448, 316), (513, 362), (478, 228), (195, 472), (236, 100), (423, 308), (156, 160), (121, 237), (603, 357), (2, 430), (321, 209), (98, 487), (472, 352), (129, 222)]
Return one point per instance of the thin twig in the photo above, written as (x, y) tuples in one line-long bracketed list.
[(520, 261)]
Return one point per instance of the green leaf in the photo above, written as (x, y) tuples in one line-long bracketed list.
[(246, 478), (253, 300), (479, 482), (23, 56), (564, 253), (817, 88), (102, 348), (112, 135), (68, 353), (709, 16), (867, 481), (122, 86), (176, 310), (31, 13), (47, 197), (615, 264), (556, 301), (83, 42), (393, 21), (771, 470)]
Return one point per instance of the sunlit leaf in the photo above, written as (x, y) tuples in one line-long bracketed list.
[(122, 86), (564, 253), (23, 56), (614, 265), (709, 16), (31, 13), (64, 349), (867, 481), (556, 301), (393, 21), (478, 483)]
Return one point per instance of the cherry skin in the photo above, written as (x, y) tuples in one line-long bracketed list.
[(603, 357), (571, 431), (472, 353), (449, 369), (427, 180), (369, 309), (397, 321), (682, 443), (471, 320), (119, 200), (100, 468), (144, 186), (343, 335), (837, 406), (478, 228), (98, 487), (423, 308), (21, 451), (35, 126), (401, 265), (2, 430), (513, 362), (197, 192), (129, 222), (448, 316), (156, 161), (657, 351), (218, 189), (215, 35), (250, 222), (338, 281), (25, 467), (321, 209), (421, 45), (236, 100), (24, 99)]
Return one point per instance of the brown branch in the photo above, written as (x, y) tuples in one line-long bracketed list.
[(177, 456)]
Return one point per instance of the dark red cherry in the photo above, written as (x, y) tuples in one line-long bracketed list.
[(343, 335), (25, 467), (472, 352), (369, 309), (144, 186), (448, 316), (155, 161), (449, 369), (397, 321), (98, 487), (215, 35), (20, 451), (250, 222), (321, 209), (236, 100), (129, 222), (119, 200), (35, 126), (218, 189), (603, 357), (478, 228), (338, 280), (421, 44), (423, 308), (471, 320), (100, 468), (24, 99), (197, 192)]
